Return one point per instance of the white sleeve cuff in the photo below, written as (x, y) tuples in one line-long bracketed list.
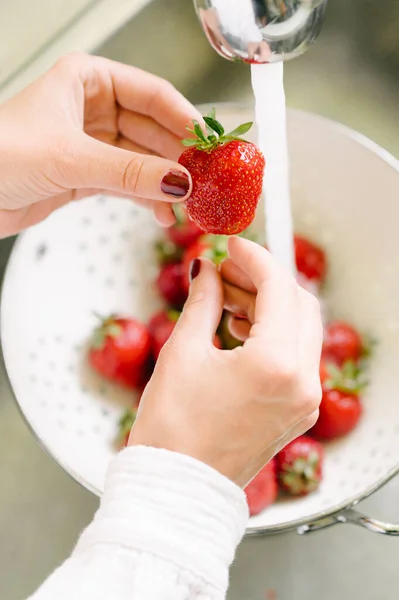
[(171, 506)]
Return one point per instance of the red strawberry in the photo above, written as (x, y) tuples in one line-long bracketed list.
[(209, 246), (340, 408), (300, 466), (171, 284), (161, 327), (310, 259), (120, 350), (262, 491), (339, 414), (342, 342), (217, 342), (323, 370), (185, 232), (227, 175)]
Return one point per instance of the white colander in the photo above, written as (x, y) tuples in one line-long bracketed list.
[(97, 256)]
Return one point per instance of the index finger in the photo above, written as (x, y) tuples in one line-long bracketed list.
[(276, 308), (147, 94)]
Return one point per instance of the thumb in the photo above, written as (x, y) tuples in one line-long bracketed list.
[(203, 310), (101, 166)]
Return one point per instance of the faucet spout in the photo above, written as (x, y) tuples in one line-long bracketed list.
[(261, 31)]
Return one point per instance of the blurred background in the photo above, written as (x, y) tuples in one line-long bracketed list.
[(351, 75)]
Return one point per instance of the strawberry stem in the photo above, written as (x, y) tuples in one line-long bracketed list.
[(349, 379), (213, 126)]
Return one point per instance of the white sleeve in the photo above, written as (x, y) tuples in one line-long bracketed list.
[(167, 529)]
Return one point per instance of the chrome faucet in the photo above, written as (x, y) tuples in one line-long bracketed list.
[(261, 31)]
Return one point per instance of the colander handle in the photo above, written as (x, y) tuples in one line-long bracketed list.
[(355, 518)]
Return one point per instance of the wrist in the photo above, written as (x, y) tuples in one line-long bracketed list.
[(173, 506)]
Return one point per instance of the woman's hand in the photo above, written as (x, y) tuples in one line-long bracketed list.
[(235, 409), (86, 126)]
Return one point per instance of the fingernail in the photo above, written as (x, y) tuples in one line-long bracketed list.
[(175, 183), (195, 268)]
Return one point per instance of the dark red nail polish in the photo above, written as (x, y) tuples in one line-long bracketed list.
[(194, 268), (175, 183)]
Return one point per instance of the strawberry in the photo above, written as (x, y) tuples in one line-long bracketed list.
[(120, 350), (339, 414), (323, 370), (185, 232), (161, 327), (209, 246), (262, 491), (217, 342), (300, 466), (340, 408), (342, 342), (171, 284), (227, 176), (310, 259)]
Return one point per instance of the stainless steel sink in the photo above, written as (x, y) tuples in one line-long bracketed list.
[(41, 509)]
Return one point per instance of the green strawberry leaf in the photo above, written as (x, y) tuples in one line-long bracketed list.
[(126, 423), (199, 132), (167, 252), (189, 142), (214, 125), (112, 330), (98, 338), (240, 130), (350, 378), (211, 115), (173, 315)]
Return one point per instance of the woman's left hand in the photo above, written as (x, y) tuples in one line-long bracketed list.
[(90, 125)]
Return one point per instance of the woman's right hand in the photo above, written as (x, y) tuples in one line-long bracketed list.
[(234, 410)]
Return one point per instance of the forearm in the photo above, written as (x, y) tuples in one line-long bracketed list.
[(168, 527)]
